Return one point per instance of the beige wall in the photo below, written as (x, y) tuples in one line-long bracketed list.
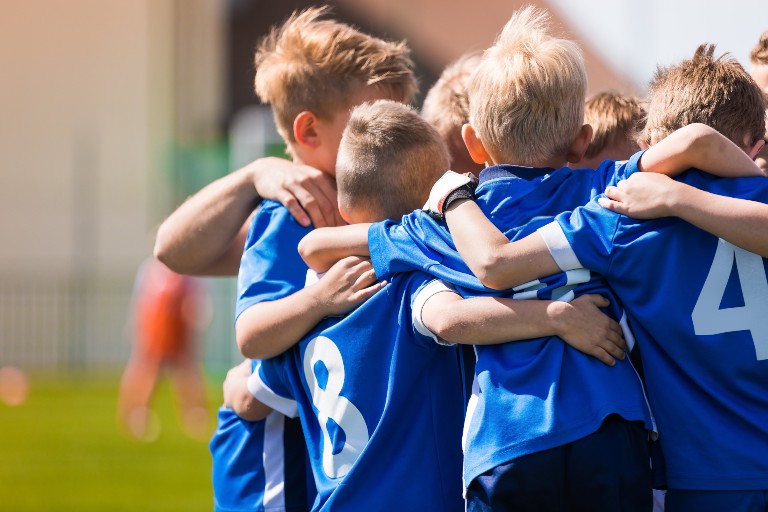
[(85, 96)]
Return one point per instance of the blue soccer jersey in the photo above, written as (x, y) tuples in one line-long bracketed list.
[(271, 267), (541, 393), (382, 405), (260, 466), (698, 309)]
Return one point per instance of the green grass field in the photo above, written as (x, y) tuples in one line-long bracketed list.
[(62, 451)]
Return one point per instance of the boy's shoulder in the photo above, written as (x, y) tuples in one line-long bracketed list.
[(273, 221)]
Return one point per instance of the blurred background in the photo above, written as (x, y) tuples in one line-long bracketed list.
[(115, 111)]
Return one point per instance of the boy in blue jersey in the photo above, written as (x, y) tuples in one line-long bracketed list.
[(259, 463), (698, 309), (311, 89), (543, 409), (378, 393)]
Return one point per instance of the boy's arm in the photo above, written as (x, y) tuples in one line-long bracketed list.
[(269, 328), (698, 146), (500, 264), (321, 248), (491, 320), (497, 262), (206, 234), (237, 396), (741, 222)]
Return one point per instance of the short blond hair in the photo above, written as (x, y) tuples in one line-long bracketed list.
[(703, 89), (615, 118), (526, 99), (313, 64), (446, 105), (388, 159), (759, 54)]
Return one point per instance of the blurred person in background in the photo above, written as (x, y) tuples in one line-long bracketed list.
[(167, 313)]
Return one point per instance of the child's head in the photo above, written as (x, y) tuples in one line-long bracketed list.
[(526, 99), (312, 71), (389, 157), (759, 59), (446, 107), (615, 120), (715, 91)]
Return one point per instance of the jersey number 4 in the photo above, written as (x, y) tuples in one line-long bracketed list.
[(708, 318)]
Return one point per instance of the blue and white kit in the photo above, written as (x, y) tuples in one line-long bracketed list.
[(260, 466), (381, 402), (697, 306), (541, 393)]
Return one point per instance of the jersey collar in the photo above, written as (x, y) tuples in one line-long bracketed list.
[(513, 171)]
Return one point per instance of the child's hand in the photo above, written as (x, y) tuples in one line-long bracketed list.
[(307, 192), (587, 329), (450, 187), (347, 284), (236, 394), (645, 195)]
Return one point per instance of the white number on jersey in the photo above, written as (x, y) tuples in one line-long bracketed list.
[(707, 316), (330, 404)]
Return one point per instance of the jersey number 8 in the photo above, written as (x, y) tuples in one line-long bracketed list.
[(330, 404)]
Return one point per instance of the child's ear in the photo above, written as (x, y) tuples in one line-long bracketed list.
[(474, 145), (305, 129), (580, 144), (756, 149), (642, 144)]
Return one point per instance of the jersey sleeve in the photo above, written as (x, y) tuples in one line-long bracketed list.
[(403, 247), (268, 384), (423, 294), (609, 173), (418, 242), (583, 238), (271, 267)]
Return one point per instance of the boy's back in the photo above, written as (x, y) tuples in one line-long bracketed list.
[(369, 386), (382, 405), (539, 376), (697, 306)]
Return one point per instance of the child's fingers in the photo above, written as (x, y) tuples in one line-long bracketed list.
[(292, 204), (603, 356), (614, 206), (366, 278), (366, 293), (613, 346)]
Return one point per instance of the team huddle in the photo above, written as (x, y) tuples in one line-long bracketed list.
[(567, 320)]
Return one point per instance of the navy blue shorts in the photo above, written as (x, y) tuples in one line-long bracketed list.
[(716, 501), (608, 470)]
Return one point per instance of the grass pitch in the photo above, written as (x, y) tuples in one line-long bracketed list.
[(63, 451)]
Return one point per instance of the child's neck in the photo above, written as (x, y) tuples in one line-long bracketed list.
[(553, 163)]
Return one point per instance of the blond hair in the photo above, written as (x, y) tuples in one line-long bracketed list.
[(715, 91), (446, 105), (388, 159), (526, 99), (759, 54), (314, 64), (614, 117)]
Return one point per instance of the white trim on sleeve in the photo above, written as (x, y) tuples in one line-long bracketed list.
[(558, 246), (432, 288), (265, 395)]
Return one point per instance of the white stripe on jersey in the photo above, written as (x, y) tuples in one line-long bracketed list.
[(274, 462), (265, 395)]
